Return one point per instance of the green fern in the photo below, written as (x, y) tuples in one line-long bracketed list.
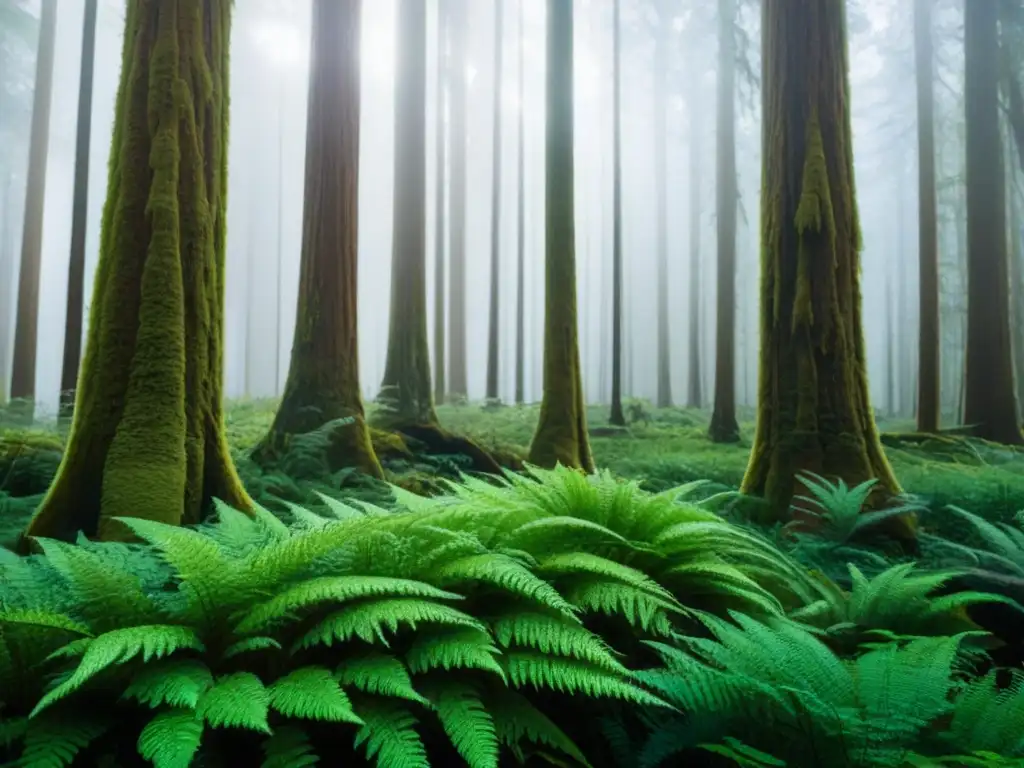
[(289, 747), (171, 739), (389, 735), (238, 700), (379, 674), (174, 682), (467, 722), (312, 693)]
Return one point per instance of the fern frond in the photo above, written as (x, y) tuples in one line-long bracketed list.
[(390, 735), (507, 574), (614, 598), (176, 682), (27, 617), (450, 648), (250, 644), (517, 720), (288, 747), (554, 635), (238, 700), (467, 722), (55, 739), (573, 677), (379, 674), (314, 694), (171, 739), (549, 535)]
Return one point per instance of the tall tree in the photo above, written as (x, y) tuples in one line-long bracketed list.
[(457, 371), (23, 370), (929, 367), (147, 437), (440, 188), (814, 412), (79, 213), (663, 36), (694, 388), (990, 403), (724, 428), (495, 314), (521, 225), (561, 435), (617, 417), (323, 378)]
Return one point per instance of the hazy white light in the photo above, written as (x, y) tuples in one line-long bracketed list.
[(281, 43), (470, 74), (378, 54)]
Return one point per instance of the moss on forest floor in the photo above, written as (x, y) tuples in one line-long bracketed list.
[(662, 448)]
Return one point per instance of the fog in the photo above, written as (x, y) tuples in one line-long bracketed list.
[(269, 67)]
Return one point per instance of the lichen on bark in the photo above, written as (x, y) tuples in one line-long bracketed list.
[(814, 412), (147, 439), (323, 377), (561, 435)]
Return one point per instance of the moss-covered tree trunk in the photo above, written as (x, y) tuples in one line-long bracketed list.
[(406, 384), (147, 439), (561, 435), (617, 416), (990, 403), (323, 378), (813, 407), (929, 375), (724, 428)]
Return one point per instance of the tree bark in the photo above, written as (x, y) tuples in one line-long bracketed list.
[(406, 385), (493, 347), (79, 212), (617, 416), (814, 412), (457, 374), (723, 427), (147, 437), (990, 403), (6, 270), (521, 229), (440, 357), (661, 65), (694, 390), (323, 378), (561, 436), (23, 369)]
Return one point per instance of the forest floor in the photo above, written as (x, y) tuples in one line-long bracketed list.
[(661, 448)]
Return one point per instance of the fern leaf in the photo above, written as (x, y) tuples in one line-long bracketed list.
[(590, 564), (288, 747), (613, 598), (505, 573), (367, 621), (467, 723), (338, 589), (55, 739), (237, 700), (548, 535), (450, 648), (516, 720), (339, 509), (171, 739), (249, 644), (390, 735), (573, 677), (314, 694), (380, 674), (176, 682), (12, 730), (152, 641), (554, 635), (43, 620)]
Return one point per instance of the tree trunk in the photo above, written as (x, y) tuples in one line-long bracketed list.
[(439, 214), (79, 212), (457, 376), (661, 65), (694, 390), (23, 372), (323, 378), (990, 404), (147, 438), (929, 375), (1017, 289), (495, 314), (724, 428), (561, 436), (6, 270), (521, 230), (406, 384), (814, 412), (617, 417)]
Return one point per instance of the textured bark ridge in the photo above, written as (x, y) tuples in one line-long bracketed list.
[(561, 435), (323, 378), (147, 439), (813, 406)]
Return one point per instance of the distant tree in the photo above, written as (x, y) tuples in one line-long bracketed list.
[(458, 20), (323, 378), (724, 428), (493, 343), (561, 435), (694, 386), (990, 403), (617, 416), (662, 47), (79, 211), (147, 437), (814, 411), (23, 371), (440, 188), (520, 227)]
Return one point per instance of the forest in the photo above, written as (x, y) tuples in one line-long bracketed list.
[(580, 383)]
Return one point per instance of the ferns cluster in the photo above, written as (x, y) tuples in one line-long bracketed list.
[(458, 630)]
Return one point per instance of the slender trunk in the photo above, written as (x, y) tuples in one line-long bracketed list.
[(694, 391), (23, 373), (439, 195), (661, 65), (929, 361), (617, 416), (724, 428), (147, 437), (990, 403), (561, 436), (6, 268), (814, 411), (891, 362), (1017, 291), (279, 290), (520, 229), (495, 316), (457, 369), (79, 212)]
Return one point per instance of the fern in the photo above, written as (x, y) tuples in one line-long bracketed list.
[(312, 693), (467, 723), (238, 700), (572, 677), (379, 674), (288, 747), (451, 648), (175, 682), (171, 739), (54, 740), (389, 735), (555, 635)]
